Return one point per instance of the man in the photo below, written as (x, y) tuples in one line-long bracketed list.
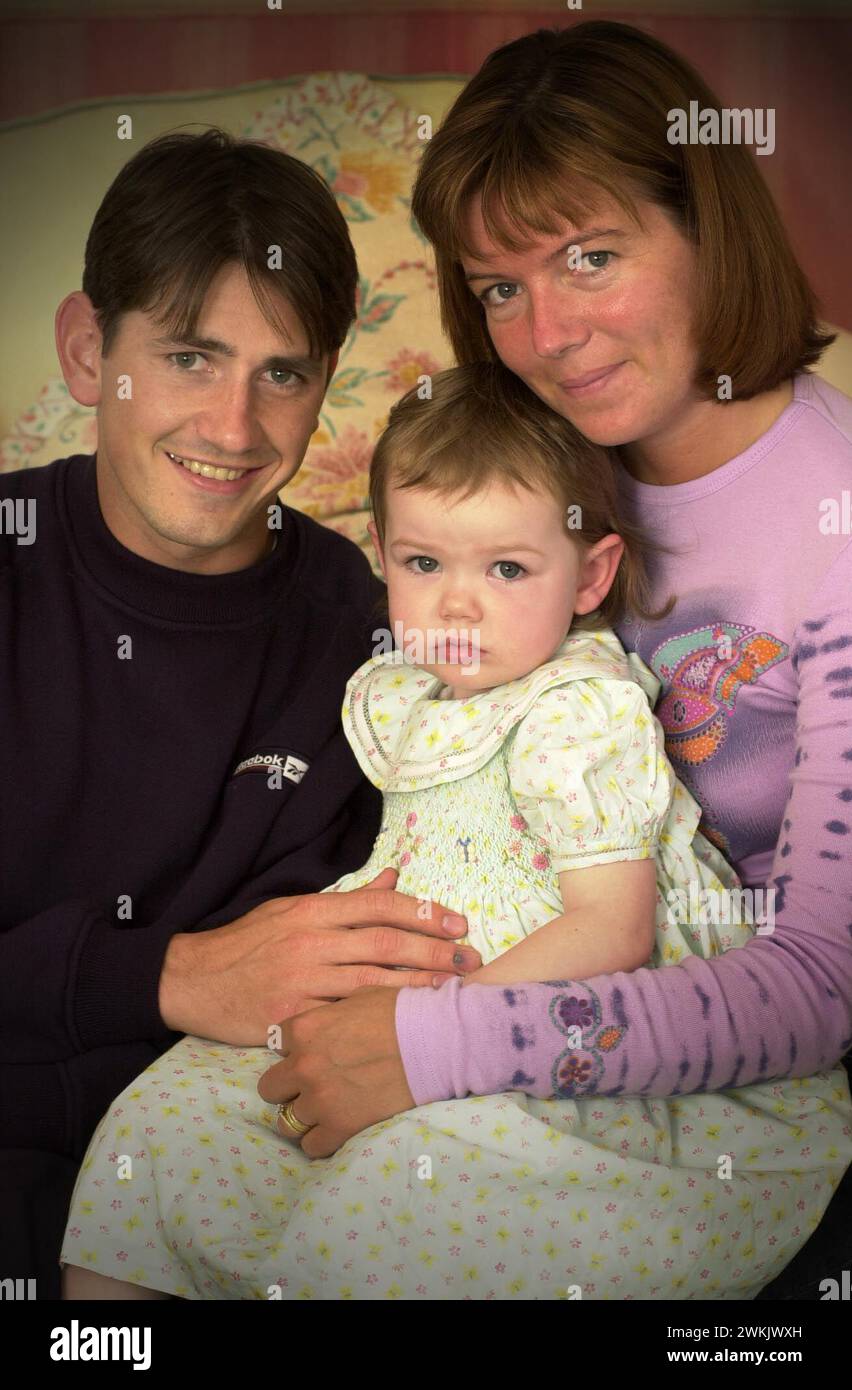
[(175, 784)]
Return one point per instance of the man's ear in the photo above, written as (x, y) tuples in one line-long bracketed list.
[(78, 346), (374, 537), (597, 571)]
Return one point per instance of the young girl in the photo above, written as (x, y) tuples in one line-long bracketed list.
[(526, 786)]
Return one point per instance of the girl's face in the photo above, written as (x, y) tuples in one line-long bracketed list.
[(624, 311), (498, 570)]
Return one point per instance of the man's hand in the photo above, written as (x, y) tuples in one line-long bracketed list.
[(342, 1070), (233, 983)]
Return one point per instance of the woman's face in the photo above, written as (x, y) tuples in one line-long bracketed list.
[(619, 303)]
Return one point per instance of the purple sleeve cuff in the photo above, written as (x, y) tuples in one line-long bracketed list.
[(425, 1066), (449, 1040)]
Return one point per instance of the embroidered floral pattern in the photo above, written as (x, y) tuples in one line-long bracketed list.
[(577, 1070)]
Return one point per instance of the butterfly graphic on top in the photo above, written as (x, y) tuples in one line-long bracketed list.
[(701, 673)]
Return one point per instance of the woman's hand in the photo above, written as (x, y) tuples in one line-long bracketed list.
[(342, 1069)]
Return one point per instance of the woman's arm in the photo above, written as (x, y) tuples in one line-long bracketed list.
[(609, 924), (780, 1006)]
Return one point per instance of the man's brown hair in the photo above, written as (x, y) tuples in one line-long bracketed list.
[(187, 204), (480, 424), (557, 117)]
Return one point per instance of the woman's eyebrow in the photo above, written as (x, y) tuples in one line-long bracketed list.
[(591, 235)]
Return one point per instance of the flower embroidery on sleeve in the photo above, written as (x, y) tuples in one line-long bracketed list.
[(577, 1070)]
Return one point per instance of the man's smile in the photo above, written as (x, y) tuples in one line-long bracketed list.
[(209, 476)]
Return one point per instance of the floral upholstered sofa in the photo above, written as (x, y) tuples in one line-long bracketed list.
[(362, 135)]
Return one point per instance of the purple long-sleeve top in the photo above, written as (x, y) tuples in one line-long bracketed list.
[(755, 665)]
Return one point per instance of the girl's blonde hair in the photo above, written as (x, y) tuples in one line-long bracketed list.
[(480, 424)]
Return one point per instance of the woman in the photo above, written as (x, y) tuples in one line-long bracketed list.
[(704, 324)]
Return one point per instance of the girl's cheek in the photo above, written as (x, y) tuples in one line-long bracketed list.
[(526, 617)]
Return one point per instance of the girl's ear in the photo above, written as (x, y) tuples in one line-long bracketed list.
[(374, 537), (597, 571)]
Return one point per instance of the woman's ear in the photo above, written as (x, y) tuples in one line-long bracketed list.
[(377, 545), (598, 569)]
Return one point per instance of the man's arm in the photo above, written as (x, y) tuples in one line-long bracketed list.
[(72, 981), (75, 978), (48, 1010), (292, 954)]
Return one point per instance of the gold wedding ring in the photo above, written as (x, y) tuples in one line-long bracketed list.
[(285, 1113)]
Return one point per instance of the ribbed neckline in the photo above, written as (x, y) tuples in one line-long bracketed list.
[(170, 594), (657, 496)]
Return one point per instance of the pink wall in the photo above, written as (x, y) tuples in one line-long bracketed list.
[(799, 66)]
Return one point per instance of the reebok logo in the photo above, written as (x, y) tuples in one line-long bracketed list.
[(278, 761)]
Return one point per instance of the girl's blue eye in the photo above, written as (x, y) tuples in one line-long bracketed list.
[(425, 560), (504, 565)]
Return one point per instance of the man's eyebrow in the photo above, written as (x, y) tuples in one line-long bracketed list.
[(311, 366), (491, 548), (592, 235)]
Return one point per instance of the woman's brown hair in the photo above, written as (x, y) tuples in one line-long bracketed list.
[(187, 204), (481, 423), (553, 119)]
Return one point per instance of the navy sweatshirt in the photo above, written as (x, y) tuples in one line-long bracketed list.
[(140, 710)]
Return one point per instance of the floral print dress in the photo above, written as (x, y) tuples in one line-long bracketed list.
[(486, 801)]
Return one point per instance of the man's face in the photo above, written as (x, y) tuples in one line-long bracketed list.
[(236, 397), (625, 309)]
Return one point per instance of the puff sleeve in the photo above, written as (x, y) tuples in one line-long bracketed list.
[(589, 773)]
